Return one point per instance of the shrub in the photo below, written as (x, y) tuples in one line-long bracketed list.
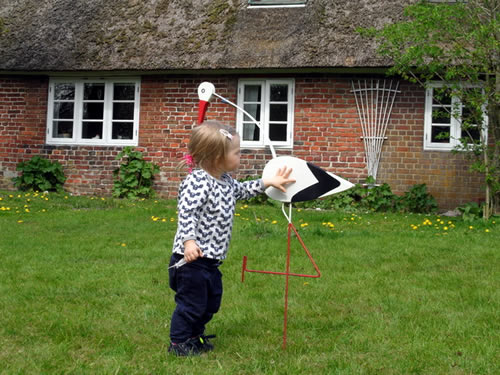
[(134, 178), (40, 174), (471, 211), (417, 200)]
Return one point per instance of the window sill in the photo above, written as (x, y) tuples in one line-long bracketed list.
[(107, 144)]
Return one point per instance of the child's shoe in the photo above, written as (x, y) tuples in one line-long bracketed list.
[(203, 343), (187, 348)]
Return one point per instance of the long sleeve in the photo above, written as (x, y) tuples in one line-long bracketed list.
[(248, 189), (193, 195)]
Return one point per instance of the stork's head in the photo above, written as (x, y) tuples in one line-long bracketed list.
[(205, 93)]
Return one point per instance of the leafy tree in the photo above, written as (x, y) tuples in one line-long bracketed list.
[(456, 43)]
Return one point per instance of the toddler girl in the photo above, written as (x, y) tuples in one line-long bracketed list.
[(206, 205)]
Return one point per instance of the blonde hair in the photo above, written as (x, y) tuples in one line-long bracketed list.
[(210, 143)]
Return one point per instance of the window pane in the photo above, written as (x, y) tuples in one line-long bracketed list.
[(123, 111), (441, 96), (251, 132), (62, 129), (252, 93), (64, 91), (440, 116), (123, 130), (93, 111), (124, 91), (92, 130), (254, 110), (63, 110), (440, 134), (472, 115), (471, 133), (279, 93), (278, 112), (277, 132), (93, 91)]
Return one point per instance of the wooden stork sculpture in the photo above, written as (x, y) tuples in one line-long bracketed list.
[(311, 182)]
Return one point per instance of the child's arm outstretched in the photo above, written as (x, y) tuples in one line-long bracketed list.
[(279, 180)]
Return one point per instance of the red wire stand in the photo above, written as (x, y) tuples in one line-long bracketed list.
[(287, 273)]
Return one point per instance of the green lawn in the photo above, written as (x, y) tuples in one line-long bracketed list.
[(84, 290)]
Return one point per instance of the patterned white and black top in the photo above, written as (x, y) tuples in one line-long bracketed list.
[(206, 208)]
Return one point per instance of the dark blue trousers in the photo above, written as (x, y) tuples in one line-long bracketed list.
[(198, 295)]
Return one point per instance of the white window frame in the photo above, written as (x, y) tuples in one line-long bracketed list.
[(277, 4), (106, 139), (455, 124), (264, 112)]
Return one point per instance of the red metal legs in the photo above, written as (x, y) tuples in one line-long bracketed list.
[(287, 274)]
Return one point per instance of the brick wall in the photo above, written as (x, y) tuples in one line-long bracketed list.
[(404, 162), (327, 133)]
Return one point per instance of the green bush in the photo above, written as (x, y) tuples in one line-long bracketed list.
[(40, 174), (471, 211), (134, 178), (417, 200)]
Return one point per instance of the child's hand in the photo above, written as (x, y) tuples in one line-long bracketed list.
[(281, 178), (192, 251)]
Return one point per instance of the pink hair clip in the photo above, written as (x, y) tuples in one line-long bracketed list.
[(188, 158)]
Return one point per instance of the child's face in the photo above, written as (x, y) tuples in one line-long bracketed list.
[(232, 161)]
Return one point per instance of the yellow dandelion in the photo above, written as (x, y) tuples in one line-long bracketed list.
[(163, 220), (124, 244), (274, 222), (487, 230), (20, 221), (172, 219), (65, 197), (237, 214), (471, 227), (445, 228)]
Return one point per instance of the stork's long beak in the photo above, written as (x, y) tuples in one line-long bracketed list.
[(205, 92), (202, 109)]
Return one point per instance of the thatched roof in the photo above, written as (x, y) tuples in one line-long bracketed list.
[(157, 35)]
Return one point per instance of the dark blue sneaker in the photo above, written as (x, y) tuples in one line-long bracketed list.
[(203, 343), (187, 348)]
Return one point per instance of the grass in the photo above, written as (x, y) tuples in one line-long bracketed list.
[(84, 290)]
